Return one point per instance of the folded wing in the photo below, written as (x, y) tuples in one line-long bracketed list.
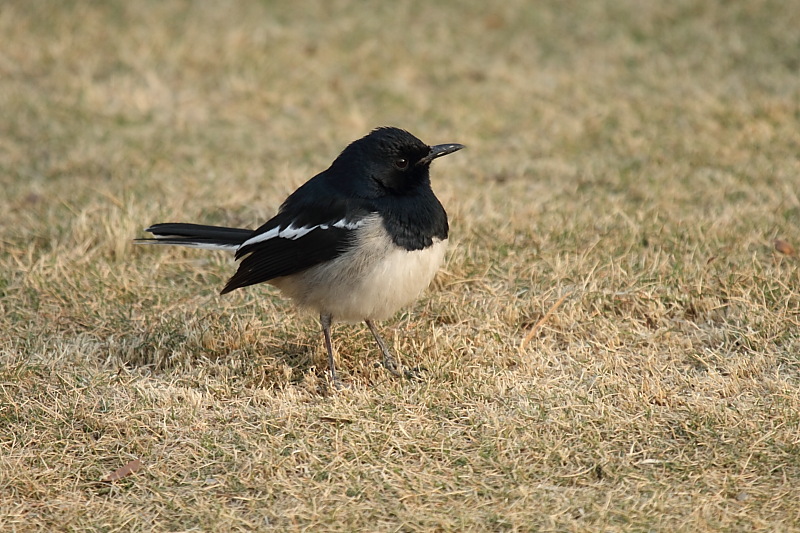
[(298, 237)]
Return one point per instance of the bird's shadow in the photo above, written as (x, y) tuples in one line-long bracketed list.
[(245, 351)]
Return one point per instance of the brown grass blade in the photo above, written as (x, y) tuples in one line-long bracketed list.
[(541, 321), (335, 420)]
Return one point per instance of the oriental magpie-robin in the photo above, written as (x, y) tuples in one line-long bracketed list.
[(356, 242)]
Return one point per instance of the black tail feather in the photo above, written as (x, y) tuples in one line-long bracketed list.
[(196, 235)]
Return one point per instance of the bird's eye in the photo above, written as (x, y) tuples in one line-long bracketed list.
[(401, 163)]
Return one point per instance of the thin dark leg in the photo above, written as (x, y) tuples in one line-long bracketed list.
[(389, 360), (326, 320)]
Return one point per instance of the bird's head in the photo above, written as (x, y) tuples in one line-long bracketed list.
[(389, 161)]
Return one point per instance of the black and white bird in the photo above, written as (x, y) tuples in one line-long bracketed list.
[(356, 242)]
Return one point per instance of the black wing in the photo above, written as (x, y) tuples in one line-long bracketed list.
[(301, 235)]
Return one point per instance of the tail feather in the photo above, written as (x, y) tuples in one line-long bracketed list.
[(197, 236)]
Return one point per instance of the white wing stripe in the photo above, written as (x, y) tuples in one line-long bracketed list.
[(293, 233)]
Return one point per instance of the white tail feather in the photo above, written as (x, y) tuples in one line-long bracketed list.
[(199, 245)]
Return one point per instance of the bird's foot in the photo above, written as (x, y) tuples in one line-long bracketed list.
[(415, 373), (398, 371), (335, 384)]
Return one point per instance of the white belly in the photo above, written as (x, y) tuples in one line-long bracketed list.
[(370, 282)]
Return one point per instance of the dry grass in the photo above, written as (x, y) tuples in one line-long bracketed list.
[(639, 158)]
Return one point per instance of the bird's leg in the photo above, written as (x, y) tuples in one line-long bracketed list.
[(326, 320), (389, 361)]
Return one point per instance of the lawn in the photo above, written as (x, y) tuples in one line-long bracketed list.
[(612, 345)]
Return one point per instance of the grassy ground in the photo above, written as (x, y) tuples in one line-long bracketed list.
[(635, 159)]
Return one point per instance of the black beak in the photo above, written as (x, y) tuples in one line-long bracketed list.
[(438, 151)]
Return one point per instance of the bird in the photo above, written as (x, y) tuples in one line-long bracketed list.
[(356, 242)]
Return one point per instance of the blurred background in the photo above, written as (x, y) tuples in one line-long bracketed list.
[(589, 103)]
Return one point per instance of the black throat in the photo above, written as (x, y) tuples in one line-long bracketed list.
[(413, 221)]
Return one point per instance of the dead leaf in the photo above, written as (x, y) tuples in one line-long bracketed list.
[(784, 247), (123, 471), (494, 21)]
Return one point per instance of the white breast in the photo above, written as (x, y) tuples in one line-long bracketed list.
[(370, 282)]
